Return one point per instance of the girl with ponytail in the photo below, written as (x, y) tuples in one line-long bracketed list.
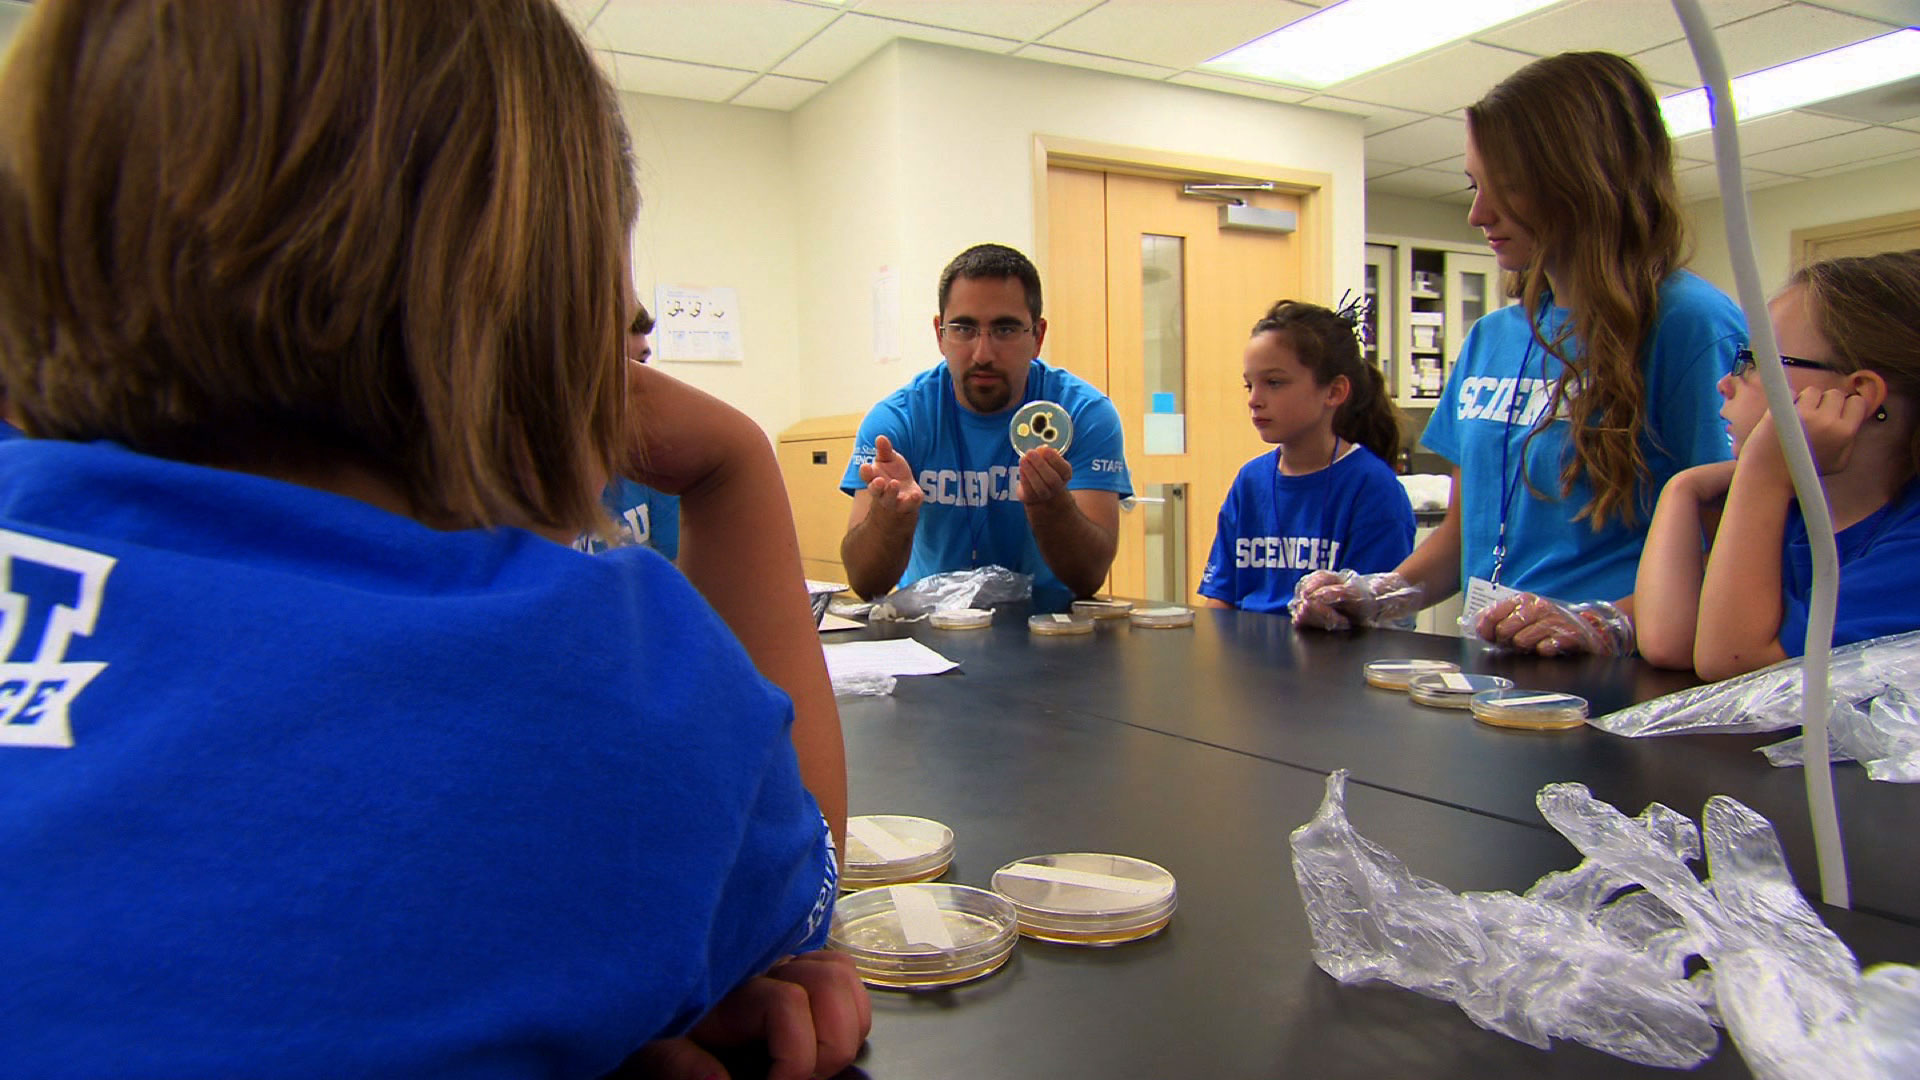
[(1325, 498)]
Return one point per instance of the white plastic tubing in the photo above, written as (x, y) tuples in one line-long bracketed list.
[(1816, 708)]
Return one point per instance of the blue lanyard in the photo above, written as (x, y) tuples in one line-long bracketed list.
[(1508, 487)]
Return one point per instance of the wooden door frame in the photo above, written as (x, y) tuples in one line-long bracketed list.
[(1800, 240), (1314, 190)]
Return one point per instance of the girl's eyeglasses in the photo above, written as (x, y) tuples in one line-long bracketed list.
[(1743, 362)]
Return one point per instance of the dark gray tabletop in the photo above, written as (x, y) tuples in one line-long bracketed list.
[(1201, 749)]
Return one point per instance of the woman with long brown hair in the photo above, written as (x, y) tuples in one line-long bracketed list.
[(1567, 412), (322, 752)]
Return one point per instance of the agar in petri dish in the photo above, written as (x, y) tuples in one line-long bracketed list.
[(892, 849), (1088, 898), (1396, 674), (1451, 689), (924, 937), (1059, 625), (1041, 423), (961, 619), (1161, 617), (1533, 710), (1103, 609)]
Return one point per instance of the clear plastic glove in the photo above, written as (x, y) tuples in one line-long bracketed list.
[(1342, 599), (1532, 623), (1883, 736)]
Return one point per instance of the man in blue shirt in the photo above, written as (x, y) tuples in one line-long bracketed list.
[(936, 483)]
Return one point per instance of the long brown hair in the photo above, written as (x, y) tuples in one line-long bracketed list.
[(1577, 145), (297, 232), (1325, 344), (1868, 309)]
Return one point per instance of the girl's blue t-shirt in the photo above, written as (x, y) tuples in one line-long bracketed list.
[(1879, 575), (292, 786), (1275, 529), (1498, 393)]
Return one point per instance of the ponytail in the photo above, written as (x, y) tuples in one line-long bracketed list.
[(1367, 417)]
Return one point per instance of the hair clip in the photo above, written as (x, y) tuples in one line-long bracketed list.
[(1356, 312)]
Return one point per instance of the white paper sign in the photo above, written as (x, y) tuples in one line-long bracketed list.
[(696, 324)]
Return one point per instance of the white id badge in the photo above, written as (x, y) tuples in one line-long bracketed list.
[(1481, 595)]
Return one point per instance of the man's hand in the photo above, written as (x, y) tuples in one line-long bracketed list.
[(810, 1013), (1043, 475), (889, 479)]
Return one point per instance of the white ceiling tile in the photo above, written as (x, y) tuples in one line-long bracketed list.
[(1438, 82), (1905, 155), (1463, 197), (1246, 88), (1094, 61), (1024, 20), (1891, 12), (1456, 163), (1175, 35), (1766, 40), (1704, 182), (750, 34), (671, 78), (1418, 183), (1419, 143), (1619, 26), (1848, 149), (777, 92), (1377, 117), (1769, 133), (1378, 169), (580, 12), (852, 38)]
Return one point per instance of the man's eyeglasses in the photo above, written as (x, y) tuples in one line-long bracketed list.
[(998, 333), (1743, 362)]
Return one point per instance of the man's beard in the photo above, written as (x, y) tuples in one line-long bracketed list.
[(988, 398)]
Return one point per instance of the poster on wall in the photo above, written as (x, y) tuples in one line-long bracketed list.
[(696, 324), (886, 315)]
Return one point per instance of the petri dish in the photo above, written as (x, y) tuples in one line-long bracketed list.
[(892, 849), (1533, 710), (1103, 609), (961, 619), (1086, 898), (1059, 625), (1161, 617), (1451, 689), (1396, 674), (1040, 423), (923, 937)]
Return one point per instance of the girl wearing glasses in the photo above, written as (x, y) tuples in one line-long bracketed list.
[(1846, 329), (1567, 412)]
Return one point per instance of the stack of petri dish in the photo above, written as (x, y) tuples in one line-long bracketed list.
[(892, 849), (1533, 710), (1451, 689), (1103, 609), (1083, 898), (1396, 674), (1059, 625), (961, 619), (923, 937), (1161, 618)]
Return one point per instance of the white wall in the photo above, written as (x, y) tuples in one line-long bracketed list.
[(947, 135), (719, 208), (1777, 211), (1421, 219)]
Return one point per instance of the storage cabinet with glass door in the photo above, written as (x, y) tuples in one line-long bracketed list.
[(1425, 295)]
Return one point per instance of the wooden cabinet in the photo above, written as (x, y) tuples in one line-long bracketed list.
[(813, 456)]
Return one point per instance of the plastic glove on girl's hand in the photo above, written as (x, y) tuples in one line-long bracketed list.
[(1341, 599), (1532, 623), (811, 1014)]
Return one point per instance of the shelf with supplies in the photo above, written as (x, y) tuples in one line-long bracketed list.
[(1426, 294)]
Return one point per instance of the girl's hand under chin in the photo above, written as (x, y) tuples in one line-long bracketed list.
[(1832, 420)]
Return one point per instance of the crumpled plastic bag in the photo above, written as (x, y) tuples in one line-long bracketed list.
[(1343, 599), (863, 685), (1884, 738), (1598, 953), (1769, 699), (951, 591)]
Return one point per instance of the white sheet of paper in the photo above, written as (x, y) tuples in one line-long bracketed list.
[(903, 656)]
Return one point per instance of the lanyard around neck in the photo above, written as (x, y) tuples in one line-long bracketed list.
[(1509, 487)]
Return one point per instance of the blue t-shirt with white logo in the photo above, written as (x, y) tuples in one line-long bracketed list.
[(644, 516), (292, 786), (1879, 575), (966, 466), (1499, 392), (1276, 529)]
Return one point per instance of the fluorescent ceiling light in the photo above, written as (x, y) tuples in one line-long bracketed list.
[(1336, 43), (1860, 66)]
